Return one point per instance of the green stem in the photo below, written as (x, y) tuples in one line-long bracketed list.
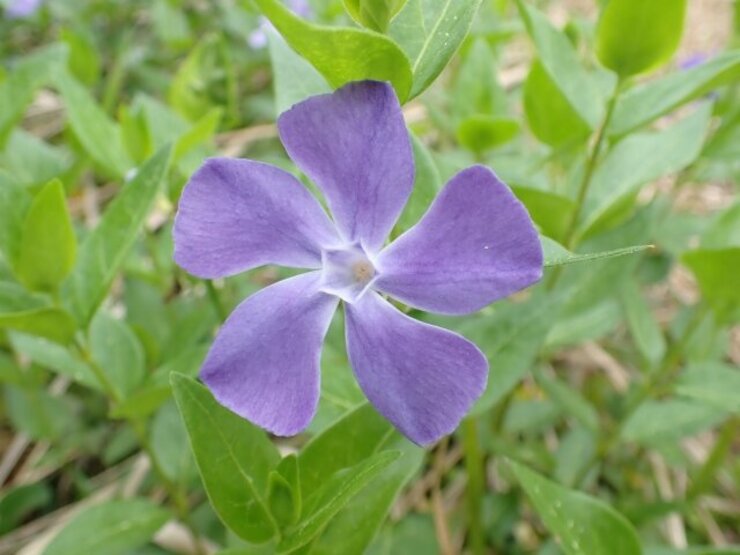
[(569, 239), (705, 475), (476, 485)]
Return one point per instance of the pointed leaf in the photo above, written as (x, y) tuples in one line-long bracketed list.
[(234, 459), (585, 525)]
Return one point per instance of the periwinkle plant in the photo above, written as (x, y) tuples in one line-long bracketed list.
[(476, 244)]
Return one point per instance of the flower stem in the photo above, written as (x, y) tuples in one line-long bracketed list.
[(476, 485), (591, 163), (215, 299)]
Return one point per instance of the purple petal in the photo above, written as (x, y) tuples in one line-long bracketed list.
[(475, 244), (422, 378), (354, 145), (264, 364), (16, 9), (235, 215)]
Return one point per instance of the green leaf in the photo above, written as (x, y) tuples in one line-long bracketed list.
[(480, 133), (284, 492), (105, 248), (714, 383), (333, 496), (84, 61), (351, 440), (550, 211), (18, 90), (476, 89), (550, 115), (109, 528), (669, 420), (511, 338), (560, 62), (712, 268), (342, 55), (430, 32), (98, 134), (427, 183), (117, 352), (374, 14), (654, 29), (234, 459), (14, 204), (570, 401), (557, 255), (585, 525), (169, 440), (642, 325), (641, 158), (293, 78), (644, 103), (51, 323), (31, 161), (55, 358), (48, 245), (19, 502), (39, 414)]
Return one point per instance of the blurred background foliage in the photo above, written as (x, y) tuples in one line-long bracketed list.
[(610, 424)]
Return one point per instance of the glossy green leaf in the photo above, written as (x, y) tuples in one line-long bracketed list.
[(644, 103), (111, 528), (584, 525), (430, 32), (715, 383), (560, 61), (105, 248), (98, 134), (117, 352), (374, 14), (350, 441), (712, 268), (48, 245), (284, 492), (342, 55), (644, 329), (641, 158), (557, 255), (234, 459), (550, 211), (293, 78), (550, 116), (654, 29), (334, 494)]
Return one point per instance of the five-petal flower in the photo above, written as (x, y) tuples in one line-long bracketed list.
[(475, 244)]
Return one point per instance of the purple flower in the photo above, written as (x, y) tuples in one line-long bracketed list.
[(475, 244), (16, 9), (258, 38)]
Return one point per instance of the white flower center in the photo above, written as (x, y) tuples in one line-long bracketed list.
[(347, 272)]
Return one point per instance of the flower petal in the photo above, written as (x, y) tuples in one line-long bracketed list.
[(475, 244), (354, 145), (422, 378), (264, 364), (235, 215)]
